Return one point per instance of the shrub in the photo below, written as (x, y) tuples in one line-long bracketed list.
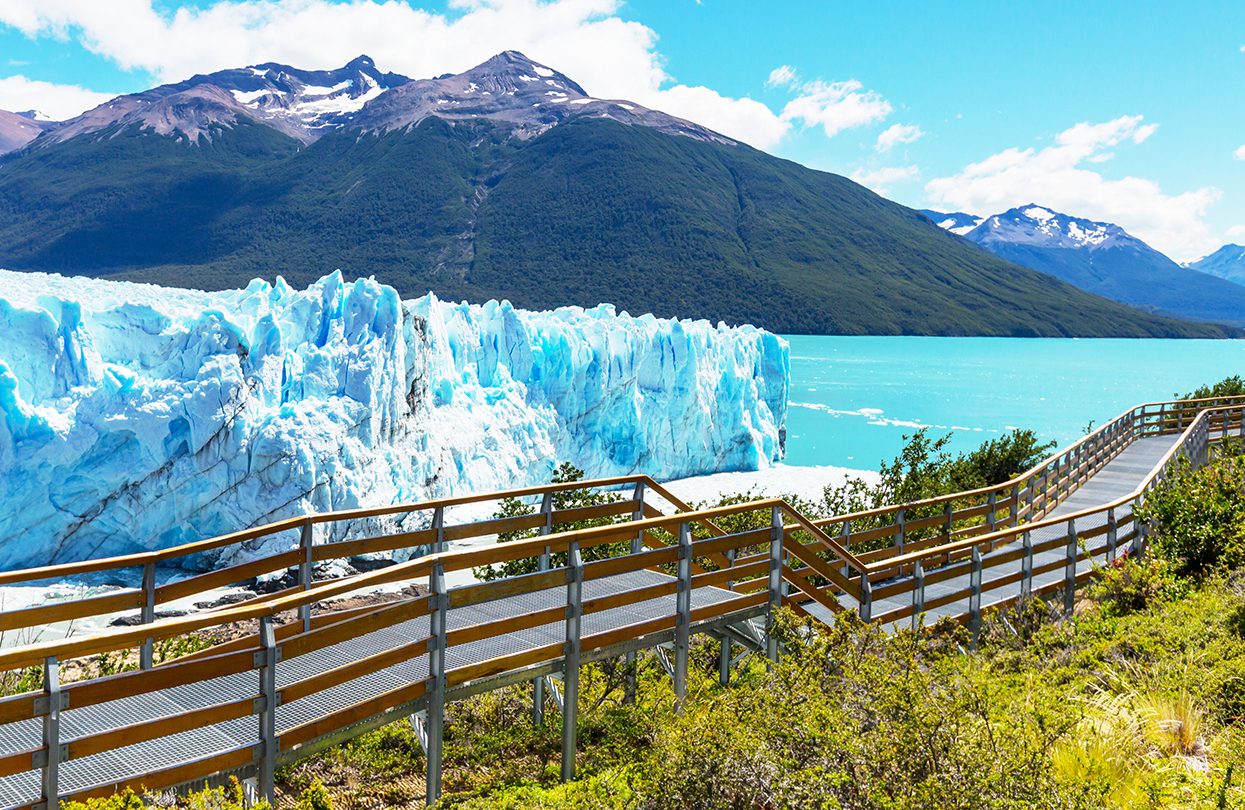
[(1198, 516), (1129, 585)]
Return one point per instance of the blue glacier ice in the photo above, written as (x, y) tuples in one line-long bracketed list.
[(135, 417)]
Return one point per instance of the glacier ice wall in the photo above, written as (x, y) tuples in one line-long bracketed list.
[(134, 417)]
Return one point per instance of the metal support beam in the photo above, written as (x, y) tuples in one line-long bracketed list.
[(146, 654), (438, 523), (918, 594), (52, 734), (268, 716), (1026, 566), (439, 605), (1069, 571), (570, 674), (305, 573), (542, 564), (777, 530), (1113, 535), (683, 619), (637, 545), (974, 595)]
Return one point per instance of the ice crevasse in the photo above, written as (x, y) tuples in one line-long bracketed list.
[(135, 417)]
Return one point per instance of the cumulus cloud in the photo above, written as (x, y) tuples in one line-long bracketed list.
[(58, 101), (881, 180), (897, 134), (836, 106), (1239, 154), (1059, 176), (781, 76), (611, 57)]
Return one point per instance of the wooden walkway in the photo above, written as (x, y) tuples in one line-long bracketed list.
[(651, 578)]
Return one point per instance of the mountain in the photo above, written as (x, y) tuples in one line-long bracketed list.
[(1228, 262), (506, 181), (19, 129), (1103, 259), (299, 103), (957, 223)]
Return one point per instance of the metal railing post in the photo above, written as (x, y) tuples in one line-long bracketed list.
[(542, 564), (1013, 511), (52, 749), (570, 670), (974, 595), (992, 504), (1113, 535), (866, 598), (268, 656), (918, 593), (1026, 565), (949, 511), (305, 573), (724, 651), (683, 621), (438, 604), (1069, 571), (637, 545), (438, 523), (777, 531), (146, 654)]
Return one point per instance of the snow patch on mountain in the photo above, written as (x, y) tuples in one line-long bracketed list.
[(134, 417)]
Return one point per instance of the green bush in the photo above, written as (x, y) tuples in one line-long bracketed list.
[(1198, 516), (1128, 585)]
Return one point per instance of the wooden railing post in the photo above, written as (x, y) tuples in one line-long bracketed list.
[(777, 531), (305, 572), (438, 605), (1026, 565), (974, 594), (918, 593), (146, 654), (1069, 571), (683, 621), (53, 752), (570, 670), (268, 656), (542, 564)]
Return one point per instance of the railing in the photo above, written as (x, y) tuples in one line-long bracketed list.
[(1011, 552), (718, 579), (748, 584)]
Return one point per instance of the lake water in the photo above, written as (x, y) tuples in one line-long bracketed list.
[(854, 398)]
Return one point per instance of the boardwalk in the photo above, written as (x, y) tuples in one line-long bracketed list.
[(650, 580)]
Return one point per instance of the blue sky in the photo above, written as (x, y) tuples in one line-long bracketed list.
[(1129, 112)]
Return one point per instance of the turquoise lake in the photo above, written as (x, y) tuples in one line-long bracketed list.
[(854, 398)]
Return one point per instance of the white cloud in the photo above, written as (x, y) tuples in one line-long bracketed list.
[(880, 180), (896, 134), (1236, 232), (58, 101), (781, 76), (836, 106), (1057, 176), (1239, 154), (609, 56)]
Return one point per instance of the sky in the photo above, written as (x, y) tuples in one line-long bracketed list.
[(1127, 112)]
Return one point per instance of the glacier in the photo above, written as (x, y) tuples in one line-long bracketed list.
[(135, 417)]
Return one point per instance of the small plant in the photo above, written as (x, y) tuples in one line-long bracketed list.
[(315, 797), (1129, 585)]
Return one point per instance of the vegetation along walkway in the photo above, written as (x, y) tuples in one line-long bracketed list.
[(306, 677)]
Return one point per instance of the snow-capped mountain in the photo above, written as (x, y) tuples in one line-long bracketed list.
[(512, 89), (1102, 258), (305, 104), (299, 103), (958, 223), (19, 129), (1228, 262)]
